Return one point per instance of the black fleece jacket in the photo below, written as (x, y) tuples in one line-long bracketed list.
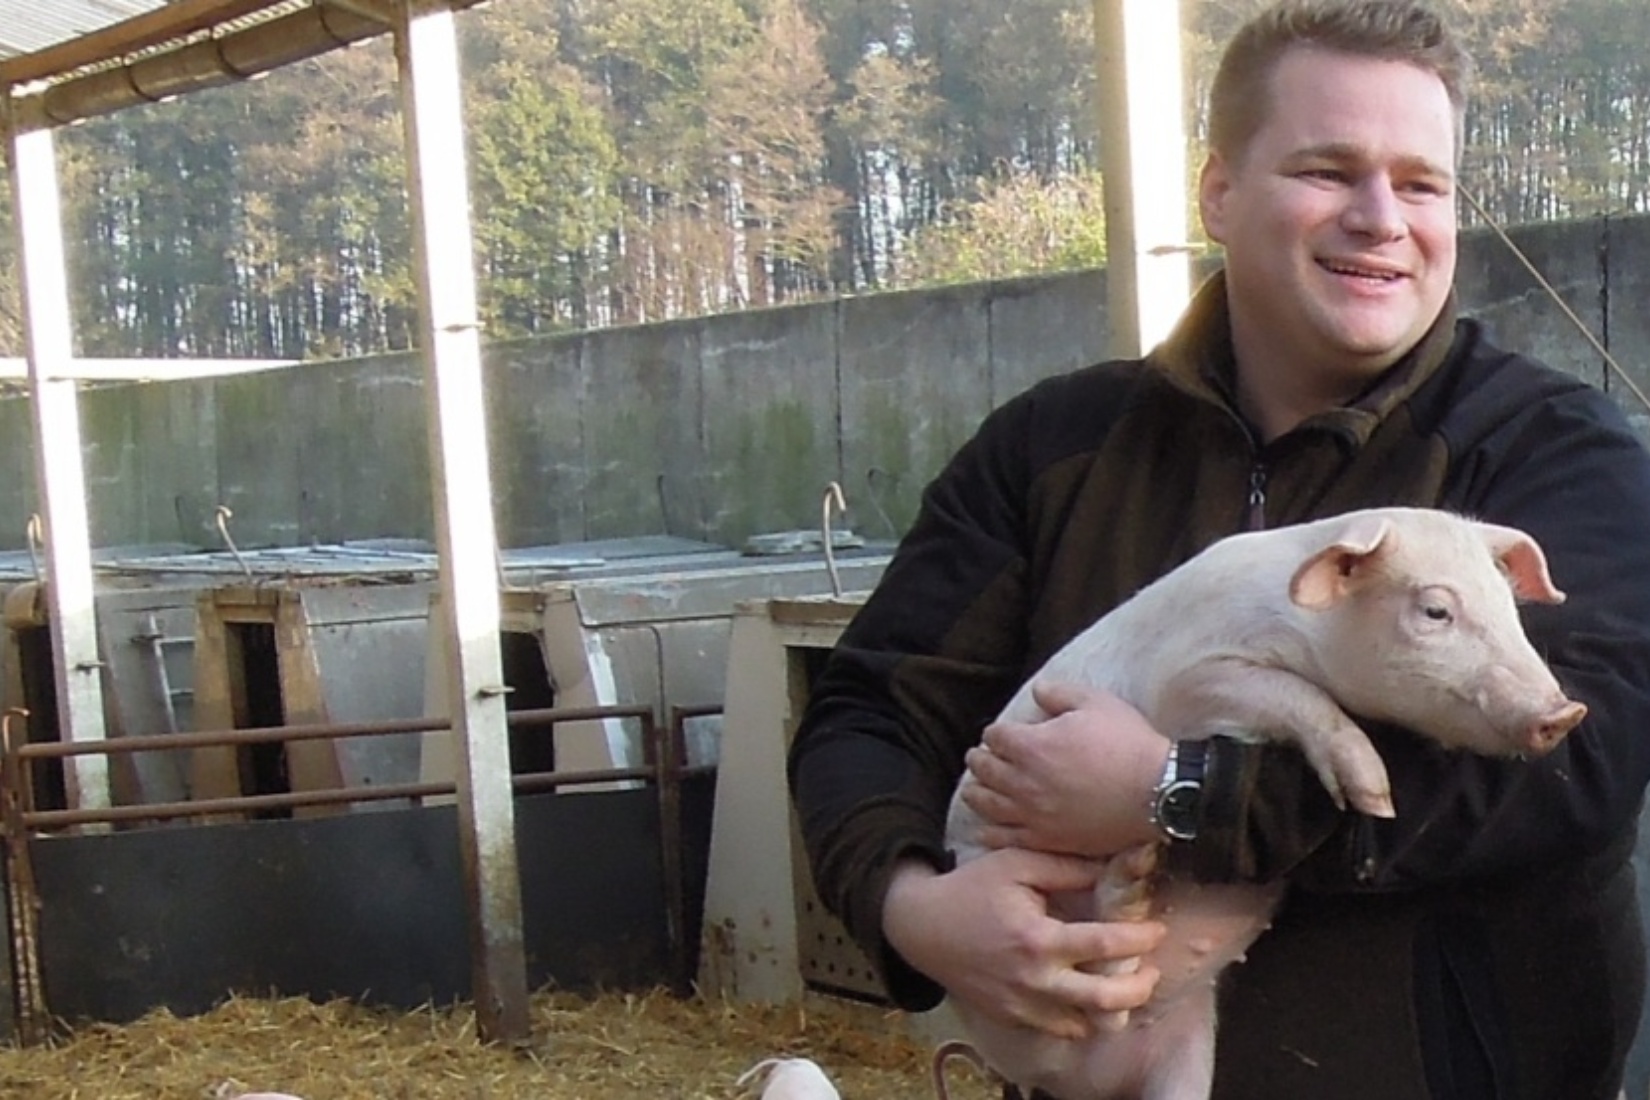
[(1486, 942)]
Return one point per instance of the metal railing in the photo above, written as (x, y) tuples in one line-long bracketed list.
[(664, 747)]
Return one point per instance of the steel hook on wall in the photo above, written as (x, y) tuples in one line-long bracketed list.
[(225, 514), (33, 533)]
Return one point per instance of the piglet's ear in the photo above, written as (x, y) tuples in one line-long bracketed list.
[(1326, 577), (1526, 566)]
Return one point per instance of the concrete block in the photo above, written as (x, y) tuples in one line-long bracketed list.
[(643, 406), (915, 372), (770, 425), (1496, 288), (1045, 326), (1627, 329), (363, 468), (535, 420)]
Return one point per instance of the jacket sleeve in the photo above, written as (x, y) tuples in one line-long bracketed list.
[(920, 670), (1568, 470)]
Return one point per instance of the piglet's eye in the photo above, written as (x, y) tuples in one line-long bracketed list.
[(1437, 612)]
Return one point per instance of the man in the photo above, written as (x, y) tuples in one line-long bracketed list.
[(1486, 943)]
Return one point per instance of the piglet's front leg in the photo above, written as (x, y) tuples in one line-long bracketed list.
[(1279, 706), (1124, 892)]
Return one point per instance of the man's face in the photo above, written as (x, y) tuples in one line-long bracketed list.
[(1338, 219)]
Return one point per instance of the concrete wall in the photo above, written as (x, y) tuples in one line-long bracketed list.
[(713, 428)]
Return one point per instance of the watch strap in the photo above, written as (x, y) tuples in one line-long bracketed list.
[(1191, 759), (1177, 799)]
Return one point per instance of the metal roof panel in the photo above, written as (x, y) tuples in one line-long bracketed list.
[(30, 25)]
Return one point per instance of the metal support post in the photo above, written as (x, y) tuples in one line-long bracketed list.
[(427, 51), (1143, 161), (59, 472)]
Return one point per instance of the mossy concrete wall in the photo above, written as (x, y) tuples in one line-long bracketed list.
[(714, 428)]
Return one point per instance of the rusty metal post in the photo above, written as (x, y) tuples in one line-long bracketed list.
[(28, 992)]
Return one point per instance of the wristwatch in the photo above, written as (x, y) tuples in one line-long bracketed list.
[(1177, 801)]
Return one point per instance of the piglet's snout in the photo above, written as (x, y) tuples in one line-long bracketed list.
[(1526, 707), (1547, 731)]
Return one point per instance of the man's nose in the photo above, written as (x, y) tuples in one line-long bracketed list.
[(1374, 210)]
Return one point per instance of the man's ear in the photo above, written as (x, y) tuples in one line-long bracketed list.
[(1214, 183)]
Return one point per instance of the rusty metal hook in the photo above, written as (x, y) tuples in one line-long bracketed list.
[(225, 514), (36, 540), (5, 725), (833, 495)]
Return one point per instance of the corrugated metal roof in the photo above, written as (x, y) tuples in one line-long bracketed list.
[(30, 25), (54, 40)]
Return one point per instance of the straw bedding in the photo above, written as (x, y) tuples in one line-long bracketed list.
[(612, 1046)]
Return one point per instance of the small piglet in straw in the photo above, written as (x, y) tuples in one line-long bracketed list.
[(787, 1079)]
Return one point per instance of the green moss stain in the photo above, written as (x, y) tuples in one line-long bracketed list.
[(894, 445), (770, 472)]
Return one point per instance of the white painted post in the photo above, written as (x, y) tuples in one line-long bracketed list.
[(59, 473), (1143, 160), (427, 50)]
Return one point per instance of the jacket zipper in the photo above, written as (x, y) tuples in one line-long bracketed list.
[(1254, 514), (1365, 867)]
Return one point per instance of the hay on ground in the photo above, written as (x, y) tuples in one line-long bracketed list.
[(611, 1047)]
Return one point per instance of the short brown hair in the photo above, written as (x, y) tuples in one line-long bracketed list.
[(1390, 30)]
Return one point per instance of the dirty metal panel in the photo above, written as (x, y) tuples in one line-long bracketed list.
[(827, 956), (713, 592), (20, 565), (375, 558), (368, 906), (182, 917), (370, 644), (147, 638), (26, 565), (672, 664), (663, 638), (368, 604), (600, 554)]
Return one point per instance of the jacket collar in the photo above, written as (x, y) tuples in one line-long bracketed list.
[(1197, 357)]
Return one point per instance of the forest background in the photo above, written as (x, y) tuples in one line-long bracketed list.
[(639, 160)]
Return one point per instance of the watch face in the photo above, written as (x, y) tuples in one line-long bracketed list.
[(1177, 809)]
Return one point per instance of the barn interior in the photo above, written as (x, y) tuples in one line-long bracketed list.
[(375, 769), (245, 771)]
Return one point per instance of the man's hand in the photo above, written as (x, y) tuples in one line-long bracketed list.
[(983, 931), (1079, 781)]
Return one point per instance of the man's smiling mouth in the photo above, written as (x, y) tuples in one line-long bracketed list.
[(1357, 272)]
